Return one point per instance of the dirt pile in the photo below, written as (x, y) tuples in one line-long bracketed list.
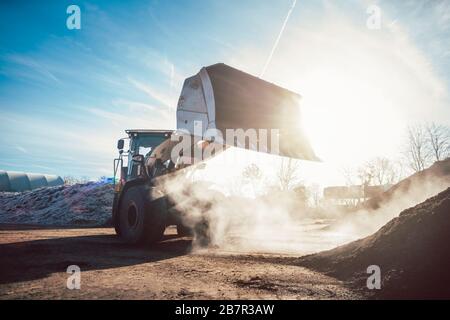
[(86, 204), (412, 250)]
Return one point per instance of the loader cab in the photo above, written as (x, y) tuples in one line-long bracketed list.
[(140, 143)]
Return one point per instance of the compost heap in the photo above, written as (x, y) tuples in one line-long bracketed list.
[(87, 204), (412, 250)]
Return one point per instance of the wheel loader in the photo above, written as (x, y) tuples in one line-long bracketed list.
[(219, 106)]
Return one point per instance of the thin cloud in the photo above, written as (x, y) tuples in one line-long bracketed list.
[(442, 10), (165, 100), (172, 75), (32, 64), (125, 120), (275, 45), (152, 59), (114, 118), (135, 106), (42, 167), (22, 149)]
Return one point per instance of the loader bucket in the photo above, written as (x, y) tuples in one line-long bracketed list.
[(221, 97)]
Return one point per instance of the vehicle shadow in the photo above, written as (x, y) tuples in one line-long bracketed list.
[(36, 259), (26, 227)]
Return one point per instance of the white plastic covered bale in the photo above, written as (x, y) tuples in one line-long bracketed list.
[(54, 181), (4, 181), (18, 181), (11, 181), (37, 181)]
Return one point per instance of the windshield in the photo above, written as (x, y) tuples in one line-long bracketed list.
[(143, 143)]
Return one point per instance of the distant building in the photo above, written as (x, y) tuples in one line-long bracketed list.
[(342, 194), (11, 181)]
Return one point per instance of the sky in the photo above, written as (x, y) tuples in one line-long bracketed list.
[(66, 96)]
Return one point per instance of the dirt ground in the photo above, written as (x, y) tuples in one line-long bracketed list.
[(34, 260)]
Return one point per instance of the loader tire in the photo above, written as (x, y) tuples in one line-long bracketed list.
[(184, 231), (141, 221), (202, 233)]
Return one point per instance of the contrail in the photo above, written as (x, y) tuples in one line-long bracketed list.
[(278, 38)]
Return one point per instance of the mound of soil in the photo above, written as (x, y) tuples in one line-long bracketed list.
[(412, 250), (86, 204)]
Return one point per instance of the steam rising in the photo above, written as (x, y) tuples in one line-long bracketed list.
[(278, 223), (367, 221)]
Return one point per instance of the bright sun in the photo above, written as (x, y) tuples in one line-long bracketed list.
[(359, 88)]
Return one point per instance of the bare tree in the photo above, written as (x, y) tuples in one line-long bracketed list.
[(438, 141), (377, 171), (383, 171), (349, 175), (71, 180), (252, 174), (361, 175), (365, 174), (416, 148), (288, 174)]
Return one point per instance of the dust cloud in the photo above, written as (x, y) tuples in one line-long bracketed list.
[(278, 223), (366, 220)]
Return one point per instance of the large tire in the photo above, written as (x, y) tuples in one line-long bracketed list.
[(184, 231), (202, 233), (140, 219)]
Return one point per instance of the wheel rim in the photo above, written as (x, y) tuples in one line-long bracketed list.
[(132, 216)]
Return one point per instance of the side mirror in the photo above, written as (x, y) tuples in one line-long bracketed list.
[(120, 144), (139, 158)]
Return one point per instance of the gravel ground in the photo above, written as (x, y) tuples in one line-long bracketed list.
[(33, 265)]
